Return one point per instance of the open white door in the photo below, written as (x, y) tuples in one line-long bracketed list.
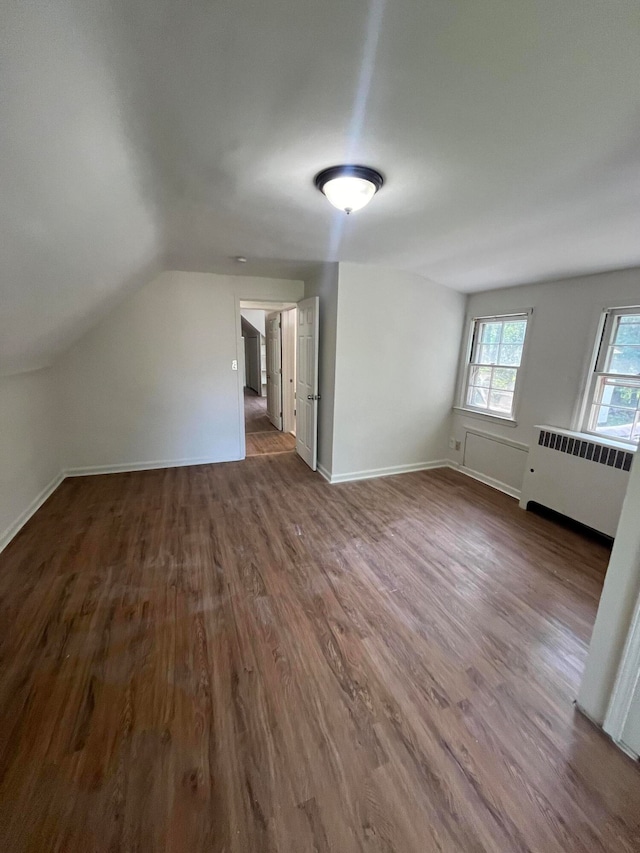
[(307, 381), (274, 369), (623, 715)]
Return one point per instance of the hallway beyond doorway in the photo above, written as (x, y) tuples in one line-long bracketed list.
[(261, 436)]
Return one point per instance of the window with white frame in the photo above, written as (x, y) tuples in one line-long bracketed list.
[(613, 397), (495, 358)]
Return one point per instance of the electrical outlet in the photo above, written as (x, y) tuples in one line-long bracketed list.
[(234, 364), (458, 445), (452, 443)]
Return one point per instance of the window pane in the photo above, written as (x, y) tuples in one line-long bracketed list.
[(510, 354), (478, 397), (625, 395), (496, 355), (491, 333), (504, 378), (617, 392), (501, 402), (513, 332), (615, 404), (628, 331), (624, 359), (614, 422), (480, 376), (488, 354)]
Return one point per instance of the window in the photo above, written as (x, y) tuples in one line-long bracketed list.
[(613, 396), (494, 364)]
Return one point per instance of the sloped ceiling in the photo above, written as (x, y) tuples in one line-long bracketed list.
[(78, 208), (507, 131)]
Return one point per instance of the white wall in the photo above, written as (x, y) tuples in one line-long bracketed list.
[(615, 611), (256, 317), (29, 458), (324, 284), (152, 384), (561, 340), (398, 339)]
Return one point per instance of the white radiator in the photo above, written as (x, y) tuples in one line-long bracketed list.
[(577, 475)]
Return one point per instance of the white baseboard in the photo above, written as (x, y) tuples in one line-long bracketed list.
[(600, 726), (383, 472), (33, 507), (324, 473), (488, 481), (130, 467)]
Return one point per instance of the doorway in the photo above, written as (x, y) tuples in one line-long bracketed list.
[(280, 412), (268, 332)]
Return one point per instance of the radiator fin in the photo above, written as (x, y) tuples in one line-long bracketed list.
[(589, 450)]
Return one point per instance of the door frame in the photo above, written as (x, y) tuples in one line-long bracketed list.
[(625, 685), (278, 305)]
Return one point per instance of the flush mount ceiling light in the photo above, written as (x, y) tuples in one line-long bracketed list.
[(349, 188)]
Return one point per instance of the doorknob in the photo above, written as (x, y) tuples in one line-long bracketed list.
[(313, 396)]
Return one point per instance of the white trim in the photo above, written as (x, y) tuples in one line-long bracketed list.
[(13, 529), (599, 726), (622, 745), (505, 315), (464, 365), (488, 481), (485, 416), (242, 441), (419, 466), (586, 714), (324, 472), (594, 366), (626, 684), (129, 467), (384, 472), (264, 305), (501, 439)]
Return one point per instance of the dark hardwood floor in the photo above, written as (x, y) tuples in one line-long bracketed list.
[(261, 436), (242, 658)]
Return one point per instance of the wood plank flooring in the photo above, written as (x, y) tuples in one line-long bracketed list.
[(255, 413), (261, 436), (242, 658), (259, 443)]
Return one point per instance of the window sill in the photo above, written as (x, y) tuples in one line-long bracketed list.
[(496, 419)]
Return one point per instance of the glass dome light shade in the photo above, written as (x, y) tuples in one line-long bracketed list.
[(349, 188), (349, 193)]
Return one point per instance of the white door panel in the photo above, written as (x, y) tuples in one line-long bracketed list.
[(289, 323), (274, 369), (307, 381)]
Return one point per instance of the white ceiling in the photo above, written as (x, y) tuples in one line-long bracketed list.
[(144, 133)]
